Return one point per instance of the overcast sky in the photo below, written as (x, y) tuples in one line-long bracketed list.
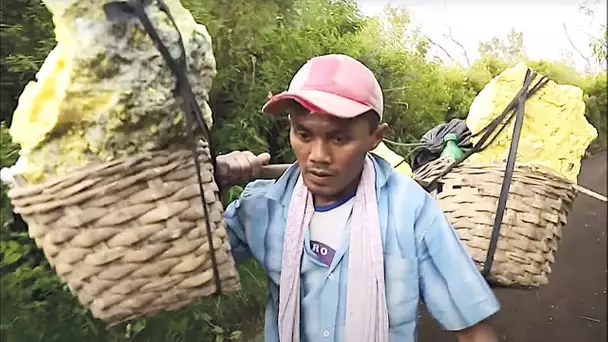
[(473, 21)]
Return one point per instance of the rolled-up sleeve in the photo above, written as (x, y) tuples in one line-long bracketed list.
[(452, 288)]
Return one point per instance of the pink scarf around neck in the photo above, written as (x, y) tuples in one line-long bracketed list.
[(366, 313)]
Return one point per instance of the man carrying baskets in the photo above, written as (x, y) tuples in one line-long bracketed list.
[(350, 246)]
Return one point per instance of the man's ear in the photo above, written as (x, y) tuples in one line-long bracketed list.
[(378, 134)]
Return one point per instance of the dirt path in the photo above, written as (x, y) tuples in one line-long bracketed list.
[(572, 307)]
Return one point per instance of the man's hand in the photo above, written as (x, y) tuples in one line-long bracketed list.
[(480, 332), (240, 167)]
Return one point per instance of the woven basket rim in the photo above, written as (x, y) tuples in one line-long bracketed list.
[(537, 169), (18, 181)]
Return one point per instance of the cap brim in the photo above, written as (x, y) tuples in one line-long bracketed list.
[(315, 100)]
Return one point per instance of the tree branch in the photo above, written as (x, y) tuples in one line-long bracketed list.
[(464, 51), (442, 49), (576, 49)]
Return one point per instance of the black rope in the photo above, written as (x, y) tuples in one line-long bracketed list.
[(120, 10), (399, 164), (514, 109)]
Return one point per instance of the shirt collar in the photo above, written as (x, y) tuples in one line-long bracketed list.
[(282, 189)]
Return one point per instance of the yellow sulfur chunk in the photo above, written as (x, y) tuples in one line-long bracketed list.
[(555, 132), (393, 158), (104, 92)]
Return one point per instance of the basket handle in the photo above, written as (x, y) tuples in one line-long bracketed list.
[(273, 171)]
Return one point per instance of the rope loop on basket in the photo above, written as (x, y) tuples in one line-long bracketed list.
[(514, 109), (126, 10)]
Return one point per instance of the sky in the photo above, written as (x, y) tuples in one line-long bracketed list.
[(473, 21)]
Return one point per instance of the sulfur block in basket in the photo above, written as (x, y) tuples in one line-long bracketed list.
[(104, 92), (106, 180), (555, 132)]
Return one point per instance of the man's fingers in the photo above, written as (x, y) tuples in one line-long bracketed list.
[(257, 163), (242, 167), (263, 158), (223, 169), (252, 166)]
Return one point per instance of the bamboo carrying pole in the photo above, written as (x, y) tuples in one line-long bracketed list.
[(273, 171)]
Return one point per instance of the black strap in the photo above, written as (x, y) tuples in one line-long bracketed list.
[(119, 11), (506, 182)]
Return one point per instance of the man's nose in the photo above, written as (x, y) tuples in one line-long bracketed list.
[(320, 152)]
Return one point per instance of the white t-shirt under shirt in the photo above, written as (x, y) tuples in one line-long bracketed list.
[(327, 228)]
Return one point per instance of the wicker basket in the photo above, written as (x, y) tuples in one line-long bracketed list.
[(536, 212), (129, 237)]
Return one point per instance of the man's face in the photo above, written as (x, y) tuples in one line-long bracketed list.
[(331, 151)]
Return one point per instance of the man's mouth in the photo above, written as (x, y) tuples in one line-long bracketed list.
[(319, 176), (319, 173)]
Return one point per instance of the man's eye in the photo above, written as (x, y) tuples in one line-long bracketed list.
[(339, 139), (303, 135)]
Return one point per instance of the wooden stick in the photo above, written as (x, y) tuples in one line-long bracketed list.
[(273, 171), (591, 193)]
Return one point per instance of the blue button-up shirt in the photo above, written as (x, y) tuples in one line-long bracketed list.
[(423, 260)]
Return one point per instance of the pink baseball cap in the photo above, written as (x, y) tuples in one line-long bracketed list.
[(334, 84)]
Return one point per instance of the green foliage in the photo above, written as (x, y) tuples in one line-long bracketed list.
[(258, 45), (599, 41), (599, 46), (596, 99), (509, 49), (27, 37)]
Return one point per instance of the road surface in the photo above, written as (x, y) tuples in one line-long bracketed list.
[(572, 307)]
